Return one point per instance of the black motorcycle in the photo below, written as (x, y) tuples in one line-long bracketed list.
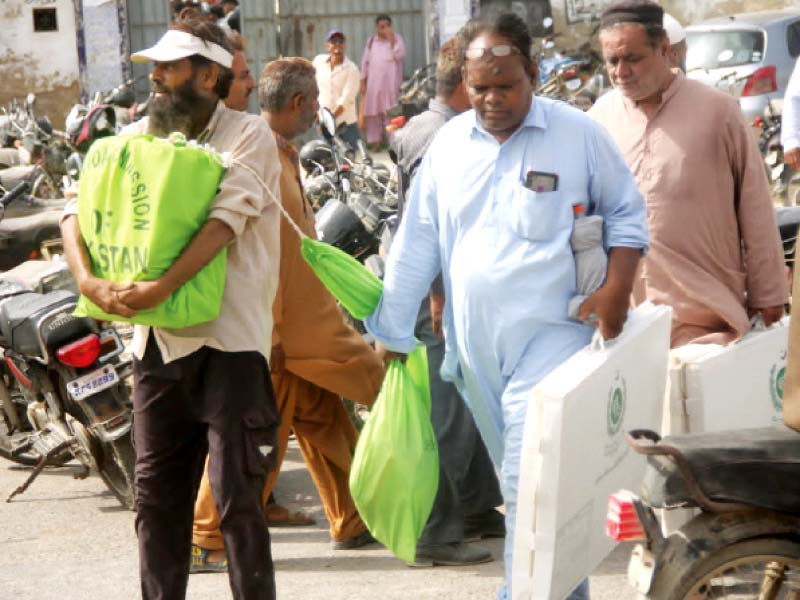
[(415, 93), (355, 197), (745, 542), (30, 229), (63, 392)]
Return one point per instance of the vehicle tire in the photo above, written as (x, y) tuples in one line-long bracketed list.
[(706, 561), (116, 469)]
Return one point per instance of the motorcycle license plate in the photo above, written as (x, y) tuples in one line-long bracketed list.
[(573, 84), (777, 172), (771, 158), (96, 381)]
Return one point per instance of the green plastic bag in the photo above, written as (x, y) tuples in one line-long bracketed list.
[(141, 200), (395, 471), (350, 282)]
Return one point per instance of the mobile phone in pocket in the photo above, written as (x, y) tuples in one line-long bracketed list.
[(539, 181)]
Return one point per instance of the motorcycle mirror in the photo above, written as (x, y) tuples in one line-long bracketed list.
[(547, 22), (327, 123), (549, 44)]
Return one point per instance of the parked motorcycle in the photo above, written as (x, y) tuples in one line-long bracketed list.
[(745, 543), (415, 93), (30, 233), (574, 76), (62, 391), (361, 203), (780, 175)]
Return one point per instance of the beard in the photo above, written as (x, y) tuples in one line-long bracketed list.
[(174, 110)]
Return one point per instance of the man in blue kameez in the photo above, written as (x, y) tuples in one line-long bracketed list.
[(492, 207)]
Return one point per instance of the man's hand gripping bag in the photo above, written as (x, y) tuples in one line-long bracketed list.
[(395, 472), (141, 200)]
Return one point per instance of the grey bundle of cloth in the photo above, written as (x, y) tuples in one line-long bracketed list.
[(591, 260)]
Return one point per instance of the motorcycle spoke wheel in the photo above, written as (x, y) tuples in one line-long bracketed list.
[(117, 469), (743, 577)]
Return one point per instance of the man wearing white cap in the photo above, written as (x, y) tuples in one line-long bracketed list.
[(676, 35), (206, 388)]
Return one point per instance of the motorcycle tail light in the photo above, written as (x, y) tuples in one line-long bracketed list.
[(398, 122), (758, 122), (622, 521), (762, 81), (570, 74), (80, 353)]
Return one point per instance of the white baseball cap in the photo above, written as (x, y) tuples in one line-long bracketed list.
[(675, 31), (175, 45)]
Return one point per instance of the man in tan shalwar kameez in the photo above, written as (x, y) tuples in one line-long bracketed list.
[(316, 357), (715, 253)]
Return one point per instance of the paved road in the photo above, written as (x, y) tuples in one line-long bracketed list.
[(67, 539)]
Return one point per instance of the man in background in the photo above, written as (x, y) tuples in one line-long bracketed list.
[(316, 357), (338, 80), (715, 255)]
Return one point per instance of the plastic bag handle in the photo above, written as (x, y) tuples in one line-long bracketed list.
[(757, 323), (598, 342)]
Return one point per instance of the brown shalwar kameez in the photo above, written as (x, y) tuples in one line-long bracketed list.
[(316, 359), (714, 243)]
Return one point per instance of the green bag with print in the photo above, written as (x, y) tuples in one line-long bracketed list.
[(141, 200)]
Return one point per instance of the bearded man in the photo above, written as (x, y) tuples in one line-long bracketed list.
[(206, 388)]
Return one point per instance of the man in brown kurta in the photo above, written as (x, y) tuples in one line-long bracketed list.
[(316, 357), (715, 253)]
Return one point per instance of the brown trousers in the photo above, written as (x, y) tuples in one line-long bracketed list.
[(327, 439)]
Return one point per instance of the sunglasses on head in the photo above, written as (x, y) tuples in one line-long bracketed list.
[(499, 51)]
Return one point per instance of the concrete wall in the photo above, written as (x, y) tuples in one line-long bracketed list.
[(45, 63)]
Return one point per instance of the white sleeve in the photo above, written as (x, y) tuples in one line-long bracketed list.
[(790, 126)]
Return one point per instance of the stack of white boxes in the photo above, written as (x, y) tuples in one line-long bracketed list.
[(718, 388)]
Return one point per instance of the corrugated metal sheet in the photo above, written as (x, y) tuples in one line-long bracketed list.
[(304, 24), (260, 30), (147, 22)]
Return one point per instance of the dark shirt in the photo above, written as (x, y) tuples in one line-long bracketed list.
[(412, 141), (410, 145)]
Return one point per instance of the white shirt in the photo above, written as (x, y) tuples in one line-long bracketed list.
[(338, 87), (790, 128)]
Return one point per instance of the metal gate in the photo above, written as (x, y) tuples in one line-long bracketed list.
[(147, 22), (304, 23)]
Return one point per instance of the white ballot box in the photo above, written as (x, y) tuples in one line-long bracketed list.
[(574, 453), (716, 388)]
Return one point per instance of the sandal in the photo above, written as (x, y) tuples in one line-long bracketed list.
[(201, 564), (280, 516)]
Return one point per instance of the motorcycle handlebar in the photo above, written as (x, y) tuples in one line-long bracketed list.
[(17, 191)]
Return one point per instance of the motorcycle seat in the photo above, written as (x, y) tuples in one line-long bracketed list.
[(756, 467), (20, 315), (20, 236), (13, 176)]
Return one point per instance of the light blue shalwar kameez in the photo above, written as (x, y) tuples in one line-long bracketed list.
[(505, 255)]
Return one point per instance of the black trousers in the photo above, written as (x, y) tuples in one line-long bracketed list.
[(468, 483), (214, 402)]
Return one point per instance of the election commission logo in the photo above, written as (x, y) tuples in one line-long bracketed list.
[(776, 380), (615, 409)]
